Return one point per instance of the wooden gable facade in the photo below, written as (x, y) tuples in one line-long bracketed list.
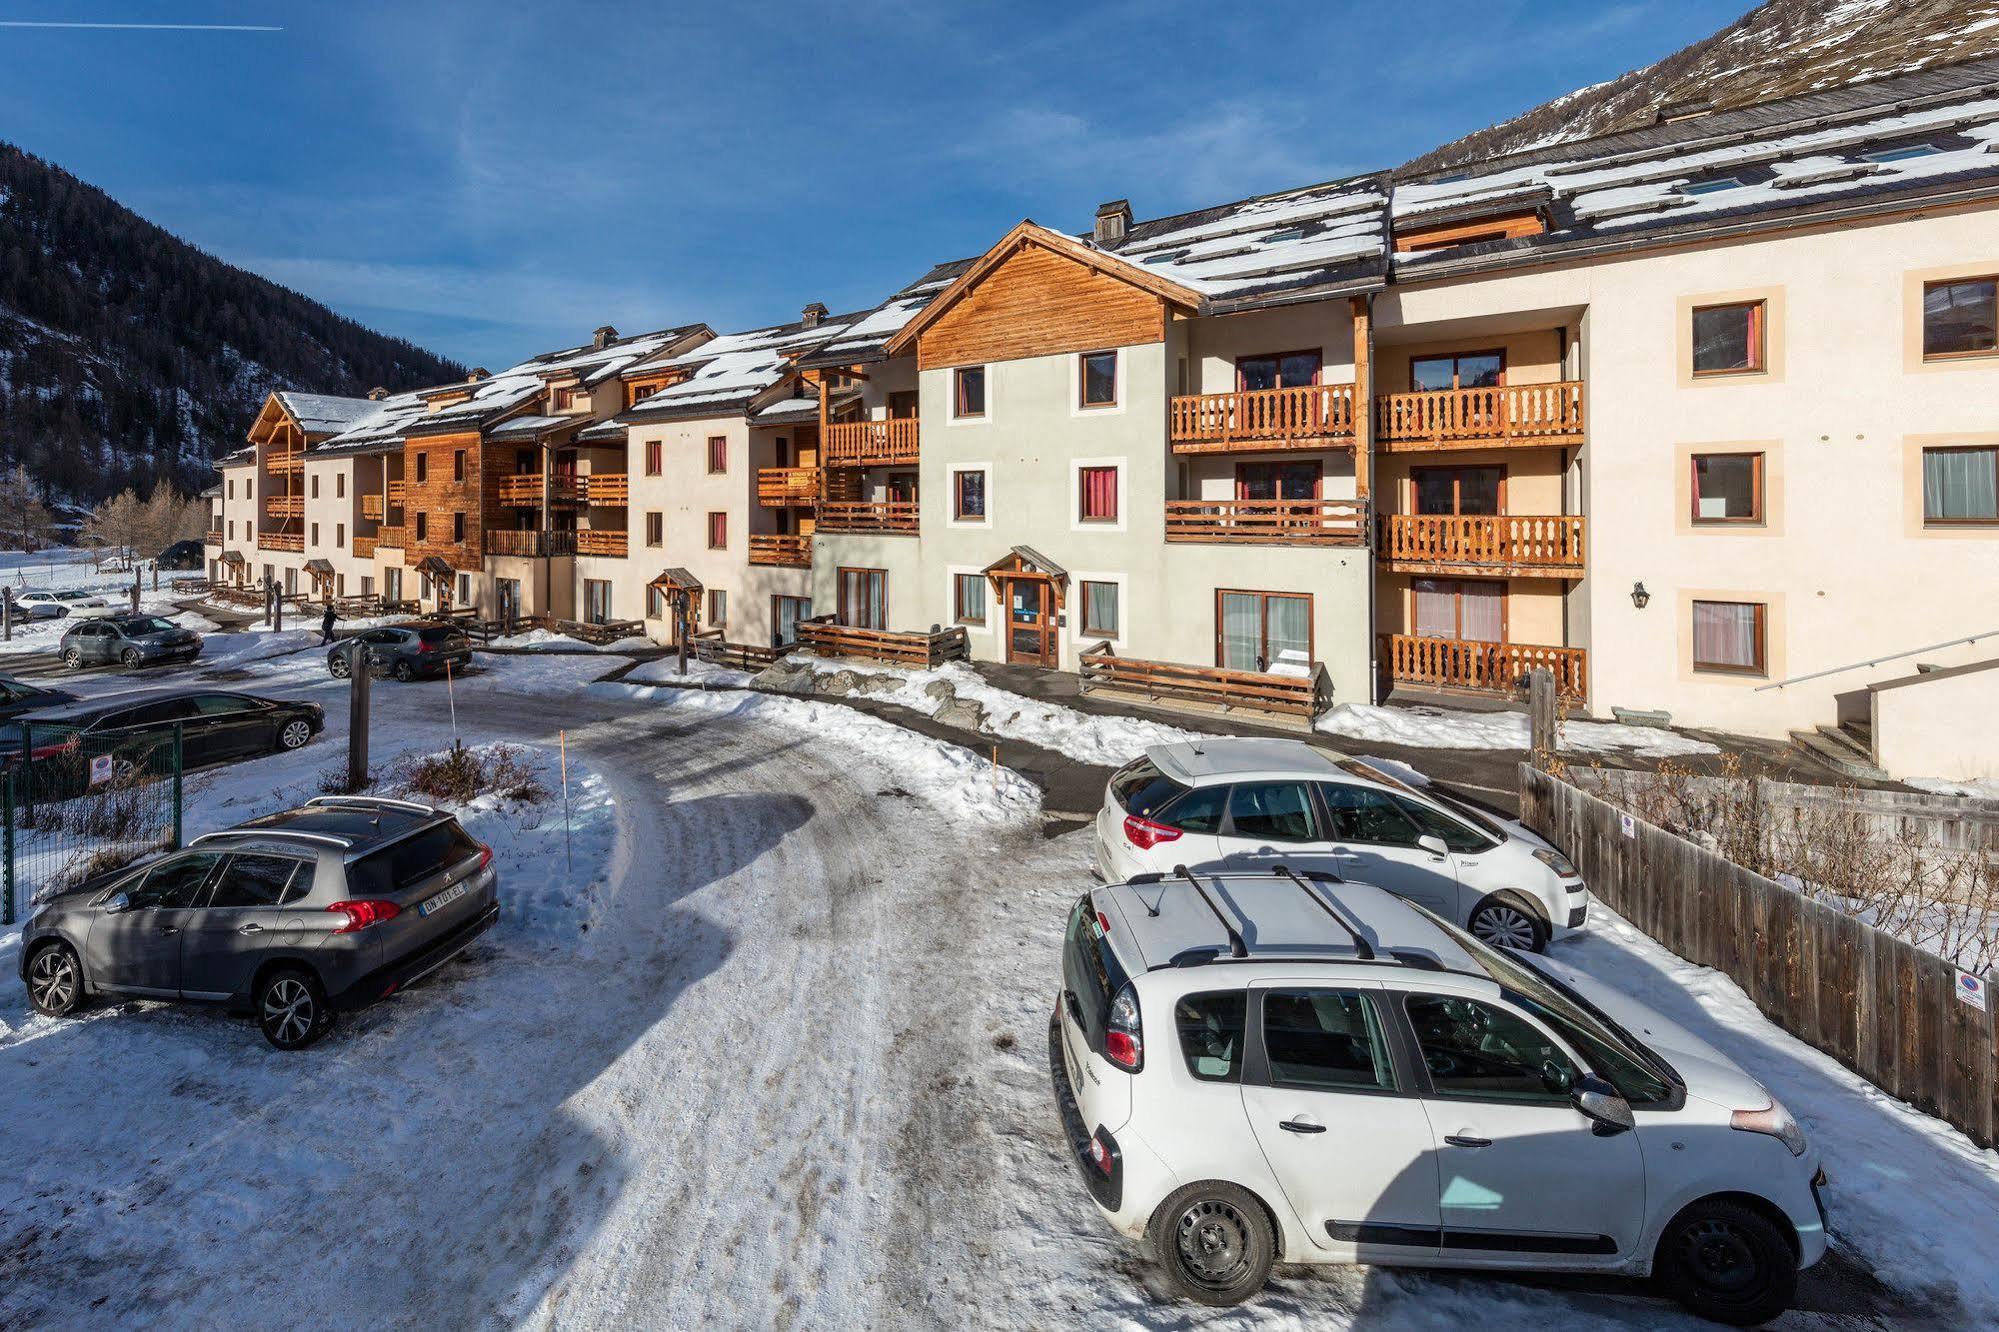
[(441, 494)]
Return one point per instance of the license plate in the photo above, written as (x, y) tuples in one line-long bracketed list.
[(442, 900)]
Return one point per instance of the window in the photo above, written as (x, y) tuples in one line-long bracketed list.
[(1728, 339), (565, 398), (718, 531), (340, 536), (1900, 154), (1714, 185), (1483, 1052), (718, 454), (1363, 814), (256, 881), (863, 598), (1100, 609), (656, 607), (968, 391), (1961, 317), (1325, 1040), (1254, 630), (422, 526), (786, 614), (968, 491), (968, 598), (1278, 480), (314, 479), (405, 863), (1961, 485), (1728, 636), (1211, 1031), (1278, 370), (1728, 487), (458, 527), (1431, 823), (1097, 494), (174, 882), (1467, 609), (902, 405), (340, 485), (422, 467), (313, 537), (1279, 811), (718, 607), (458, 464), (230, 493), (464, 589), (1090, 971), (655, 528), (1459, 370), (652, 457), (1459, 490), (596, 600), (1096, 374)]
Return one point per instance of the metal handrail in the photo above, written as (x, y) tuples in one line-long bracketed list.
[(1876, 661)]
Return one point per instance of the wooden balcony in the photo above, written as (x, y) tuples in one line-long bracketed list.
[(531, 545), (888, 516), (1527, 545), (390, 538), (603, 541), (364, 548), (1268, 522), (285, 506), (786, 550), (1316, 416), (371, 508), (213, 538), (870, 443), (1455, 663), (525, 491), (396, 494), (787, 487), (1512, 416), (828, 639), (610, 489), (1204, 688), (292, 541), (288, 463)]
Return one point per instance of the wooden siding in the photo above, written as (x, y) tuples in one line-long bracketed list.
[(437, 497), (1039, 303), (1505, 226)]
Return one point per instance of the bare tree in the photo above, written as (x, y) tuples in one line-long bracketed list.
[(25, 523), (118, 524)]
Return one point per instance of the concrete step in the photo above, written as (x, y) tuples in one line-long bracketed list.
[(1847, 759), (1847, 740)]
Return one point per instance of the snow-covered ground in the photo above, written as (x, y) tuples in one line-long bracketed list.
[(1447, 728)]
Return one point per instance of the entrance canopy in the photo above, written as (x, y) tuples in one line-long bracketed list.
[(1027, 562), (434, 567), (319, 568), (233, 557), (677, 580)]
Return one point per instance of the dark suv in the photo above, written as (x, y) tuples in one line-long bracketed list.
[(405, 651), (289, 917), (134, 640), (216, 726)]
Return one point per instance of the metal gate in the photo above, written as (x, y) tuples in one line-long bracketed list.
[(72, 807)]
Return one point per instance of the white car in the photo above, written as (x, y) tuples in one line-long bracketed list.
[(55, 605), (1265, 1068), (1255, 804)]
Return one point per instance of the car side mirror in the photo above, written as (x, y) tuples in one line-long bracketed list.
[(1434, 844), (1603, 1106), (116, 903)]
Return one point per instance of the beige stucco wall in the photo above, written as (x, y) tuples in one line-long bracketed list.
[(1926, 728)]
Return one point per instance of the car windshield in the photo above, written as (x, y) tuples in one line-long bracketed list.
[(152, 624)]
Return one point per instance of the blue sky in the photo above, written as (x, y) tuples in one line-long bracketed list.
[(496, 179)]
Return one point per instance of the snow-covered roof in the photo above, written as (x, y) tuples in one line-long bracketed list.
[(321, 414), (864, 339), (786, 411), (730, 371), (383, 426), (527, 427)]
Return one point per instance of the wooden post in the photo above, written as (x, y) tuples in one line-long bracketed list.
[(6, 614), (1541, 714), (685, 626), (1363, 395), (357, 718)]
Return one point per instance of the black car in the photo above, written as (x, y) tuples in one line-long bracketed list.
[(405, 651), (216, 727), (181, 555), (18, 697), (132, 640)]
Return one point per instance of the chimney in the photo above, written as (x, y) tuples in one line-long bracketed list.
[(377, 394), (478, 373), (812, 314), (604, 337), (1113, 222)]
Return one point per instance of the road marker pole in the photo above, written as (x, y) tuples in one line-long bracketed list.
[(568, 859), (451, 695)]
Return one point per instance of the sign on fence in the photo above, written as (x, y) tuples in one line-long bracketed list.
[(100, 769), (1971, 990)]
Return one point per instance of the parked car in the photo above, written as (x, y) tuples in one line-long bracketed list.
[(405, 651), (18, 697), (216, 727), (291, 917), (1245, 804), (131, 640), (181, 555), (1260, 1068), (55, 605)]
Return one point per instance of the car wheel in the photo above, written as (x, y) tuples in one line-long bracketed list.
[(72, 658), (291, 1009), (55, 981), (294, 734), (1727, 1263), (1215, 1241), (1506, 922), (337, 663), (405, 672), (130, 656)]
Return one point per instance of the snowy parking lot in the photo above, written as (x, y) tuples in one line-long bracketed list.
[(758, 1042)]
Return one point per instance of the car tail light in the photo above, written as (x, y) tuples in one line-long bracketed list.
[(1145, 834), (1124, 1037), (485, 856), (363, 912), (1100, 1155), (422, 646)]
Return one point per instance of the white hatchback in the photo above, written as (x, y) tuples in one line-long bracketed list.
[(1255, 804), (1278, 1068), (54, 605)]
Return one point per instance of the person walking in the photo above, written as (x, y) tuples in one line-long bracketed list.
[(326, 624)]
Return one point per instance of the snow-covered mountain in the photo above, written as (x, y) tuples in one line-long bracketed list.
[(1778, 49), (126, 352)]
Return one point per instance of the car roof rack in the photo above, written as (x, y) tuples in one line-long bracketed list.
[(1237, 948), (324, 839), (1362, 948), (341, 801)]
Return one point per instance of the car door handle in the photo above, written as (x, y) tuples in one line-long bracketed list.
[(1466, 1140), (169, 929), (250, 927), (1301, 1126)]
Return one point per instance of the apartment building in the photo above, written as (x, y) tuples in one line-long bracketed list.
[(1699, 417)]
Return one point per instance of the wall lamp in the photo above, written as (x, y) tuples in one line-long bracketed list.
[(1639, 596)]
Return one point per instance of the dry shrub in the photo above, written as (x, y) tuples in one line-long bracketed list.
[(84, 867), (462, 775), (130, 805)]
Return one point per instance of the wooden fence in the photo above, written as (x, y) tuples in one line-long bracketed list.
[(1298, 697), (711, 647), (828, 639), (1886, 1009)]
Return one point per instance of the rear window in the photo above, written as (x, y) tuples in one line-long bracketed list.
[(413, 859), (1142, 789), (1090, 971), (438, 634), (1211, 1034)]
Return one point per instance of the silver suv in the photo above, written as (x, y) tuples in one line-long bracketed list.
[(290, 917)]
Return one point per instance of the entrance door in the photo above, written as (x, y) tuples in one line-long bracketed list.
[(1030, 622), (785, 614), (1257, 631), (1469, 609), (1459, 490), (508, 599), (596, 601)]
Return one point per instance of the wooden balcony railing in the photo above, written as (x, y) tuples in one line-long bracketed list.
[(371, 508), (533, 545), (1550, 544), (870, 443), (787, 487), (603, 541), (292, 541), (396, 493), (288, 463), (214, 537), (612, 489), (837, 640), (1268, 522), (390, 538), (897, 516), (563, 488), (364, 548), (285, 506), (788, 550), (1301, 697), (1514, 415), (1315, 416), (1455, 663)]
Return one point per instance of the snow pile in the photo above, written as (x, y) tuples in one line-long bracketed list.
[(1443, 728), (552, 674), (1983, 788), (666, 671)]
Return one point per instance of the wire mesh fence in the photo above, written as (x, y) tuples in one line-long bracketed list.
[(72, 806)]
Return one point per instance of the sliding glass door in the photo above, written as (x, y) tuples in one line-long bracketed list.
[(1255, 631)]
